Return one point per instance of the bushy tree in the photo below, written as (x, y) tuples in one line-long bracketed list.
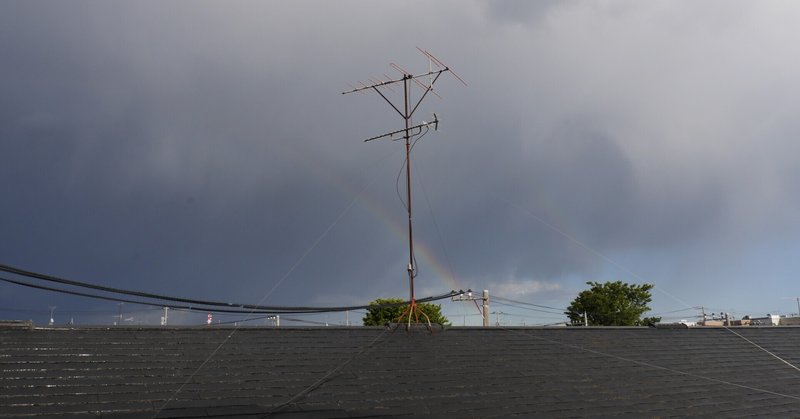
[(389, 310), (612, 304)]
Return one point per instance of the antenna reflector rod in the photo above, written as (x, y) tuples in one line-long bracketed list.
[(440, 64), (400, 69), (424, 124)]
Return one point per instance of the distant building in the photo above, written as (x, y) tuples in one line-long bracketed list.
[(768, 320), (790, 321)]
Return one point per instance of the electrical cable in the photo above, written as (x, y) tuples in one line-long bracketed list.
[(403, 168), (477, 306), (527, 308), (436, 226), (250, 319), (316, 242), (76, 311), (527, 317), (651, 365), (288, 319), (124, 300), (676, 311), (763, 349), (292, 319), (259, 308), (564, 310), (414, 265), (50, 278), (325, 378), (495, 297), (202, 308), (589, 249)]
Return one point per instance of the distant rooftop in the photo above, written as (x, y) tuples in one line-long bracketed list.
[(367, 372)]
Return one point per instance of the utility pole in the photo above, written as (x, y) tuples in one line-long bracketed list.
[(798, 303), (585, 319), (485, 308), (380, 85), (467, 296), (119, 313), (497, 317)]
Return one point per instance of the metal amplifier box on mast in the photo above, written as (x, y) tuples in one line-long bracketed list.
[(406, 111)]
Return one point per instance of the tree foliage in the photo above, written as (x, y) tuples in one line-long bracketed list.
[(389, 310), (612, 304)]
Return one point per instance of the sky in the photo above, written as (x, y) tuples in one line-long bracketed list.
[(205, 150)]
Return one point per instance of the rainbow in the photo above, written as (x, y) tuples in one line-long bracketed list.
[(423, 252), (425, 256)]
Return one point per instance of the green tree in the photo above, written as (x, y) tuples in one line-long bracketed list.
[(612, 304), (389, 310)]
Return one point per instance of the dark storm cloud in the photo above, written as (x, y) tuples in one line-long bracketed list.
[(151, 172), (203, 150)]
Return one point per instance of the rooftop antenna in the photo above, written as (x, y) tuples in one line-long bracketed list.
[(435, 69)]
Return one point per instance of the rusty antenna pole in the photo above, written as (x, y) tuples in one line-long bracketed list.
[(408, 133)]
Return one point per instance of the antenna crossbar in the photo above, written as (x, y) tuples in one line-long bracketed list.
[(419, 127), (393, 81)]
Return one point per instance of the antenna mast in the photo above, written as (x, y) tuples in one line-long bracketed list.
[(435, 69)]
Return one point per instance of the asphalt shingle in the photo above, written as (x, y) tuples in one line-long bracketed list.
[(368, 372)]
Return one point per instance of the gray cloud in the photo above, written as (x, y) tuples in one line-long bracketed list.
[(204, 150)]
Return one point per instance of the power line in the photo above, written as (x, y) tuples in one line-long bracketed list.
[(676, 311), (81, 284), (236, 322), (518, 304), (77, 311), (566, 310), (204, 308), (292, 319), (529, 317), (204, 303), (659, 367), (589, 249), (526, 308), (124, 300), (528, 304), (763, 349)]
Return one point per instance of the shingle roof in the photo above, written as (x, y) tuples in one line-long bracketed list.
[(359, 372)]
